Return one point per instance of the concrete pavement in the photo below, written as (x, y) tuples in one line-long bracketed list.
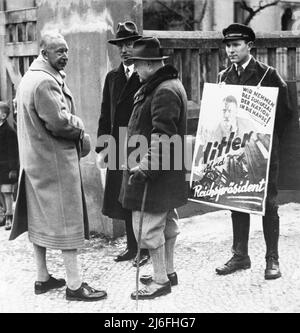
[(204, 243)]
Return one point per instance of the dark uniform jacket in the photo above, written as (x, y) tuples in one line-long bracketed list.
[(9, 155), (116, 109), (160, 108), (252, 76)]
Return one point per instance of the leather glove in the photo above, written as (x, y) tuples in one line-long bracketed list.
[(137, 176), (13, 175), (85, 142)]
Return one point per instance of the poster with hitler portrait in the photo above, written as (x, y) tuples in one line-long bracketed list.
[(233, 147)]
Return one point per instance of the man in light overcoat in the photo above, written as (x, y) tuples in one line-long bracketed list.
[(50, 203)]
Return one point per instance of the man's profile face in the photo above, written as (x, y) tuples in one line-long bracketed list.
[(238, 51), (126, 49), (229, 113), (142, 69), (57, 54)]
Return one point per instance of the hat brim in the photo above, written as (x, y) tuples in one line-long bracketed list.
[(118, 40), (143, 58), (227, 39)]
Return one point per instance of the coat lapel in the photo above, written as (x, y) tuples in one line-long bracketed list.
[(249, 77), (131, 87), (231, 76), (41, 65), (119, 83), (250, 73)]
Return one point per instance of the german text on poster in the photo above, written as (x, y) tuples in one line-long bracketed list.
[(233, 147)]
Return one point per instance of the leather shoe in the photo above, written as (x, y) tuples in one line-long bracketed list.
[(144, 257), (52, 283), (125, 255), (272, 270), (8, 222), (147, 279), (85, 293), (234, 264), (2, 219), (153, 290)]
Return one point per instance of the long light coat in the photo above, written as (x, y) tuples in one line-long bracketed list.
[(50, 202)]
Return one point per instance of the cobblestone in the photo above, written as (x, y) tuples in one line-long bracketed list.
[(204, 244)]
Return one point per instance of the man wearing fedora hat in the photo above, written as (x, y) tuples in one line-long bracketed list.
[(246, 70), (159, 115), (117, 103)]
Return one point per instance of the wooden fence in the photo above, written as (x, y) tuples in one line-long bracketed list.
[(199, 56), (21, 46)]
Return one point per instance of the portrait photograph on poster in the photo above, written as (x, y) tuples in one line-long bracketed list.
[(233, 147)]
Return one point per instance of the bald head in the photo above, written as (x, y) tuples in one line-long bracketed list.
[(54, 49)]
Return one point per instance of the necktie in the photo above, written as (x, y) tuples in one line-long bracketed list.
[(239, 70), (127, 73)]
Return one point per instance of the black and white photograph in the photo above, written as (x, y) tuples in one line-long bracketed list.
[(149, 159)]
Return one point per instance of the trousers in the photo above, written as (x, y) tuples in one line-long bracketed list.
[(241, 221)]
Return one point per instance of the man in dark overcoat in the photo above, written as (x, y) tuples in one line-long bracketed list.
[(117, 103), (9, 163), (246, 70), (156, 132)]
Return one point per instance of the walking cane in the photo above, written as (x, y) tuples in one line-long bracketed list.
[(139, 235), (139, 243)]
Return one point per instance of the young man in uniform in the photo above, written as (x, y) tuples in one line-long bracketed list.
[(246, 70)]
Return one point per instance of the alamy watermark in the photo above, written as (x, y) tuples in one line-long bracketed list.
[(158, 152)]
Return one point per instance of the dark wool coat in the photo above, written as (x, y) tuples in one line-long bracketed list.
[(252, 75), (116, 109), (160, 108), (50, 202), (9, 155)]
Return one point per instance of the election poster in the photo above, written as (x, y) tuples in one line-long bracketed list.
[(233, 147)]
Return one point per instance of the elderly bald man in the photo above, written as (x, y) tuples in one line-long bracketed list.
[(50, 203)]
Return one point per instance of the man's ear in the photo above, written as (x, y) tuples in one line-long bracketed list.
[(250, 45), (44, 54)]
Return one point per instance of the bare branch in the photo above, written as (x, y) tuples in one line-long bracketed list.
[(267, 5), (188, 23), (170, 9), (203, 12), (245, 6), (252, 12), (177, 14)]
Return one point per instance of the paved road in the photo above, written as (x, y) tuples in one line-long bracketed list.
[(203, 244)]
